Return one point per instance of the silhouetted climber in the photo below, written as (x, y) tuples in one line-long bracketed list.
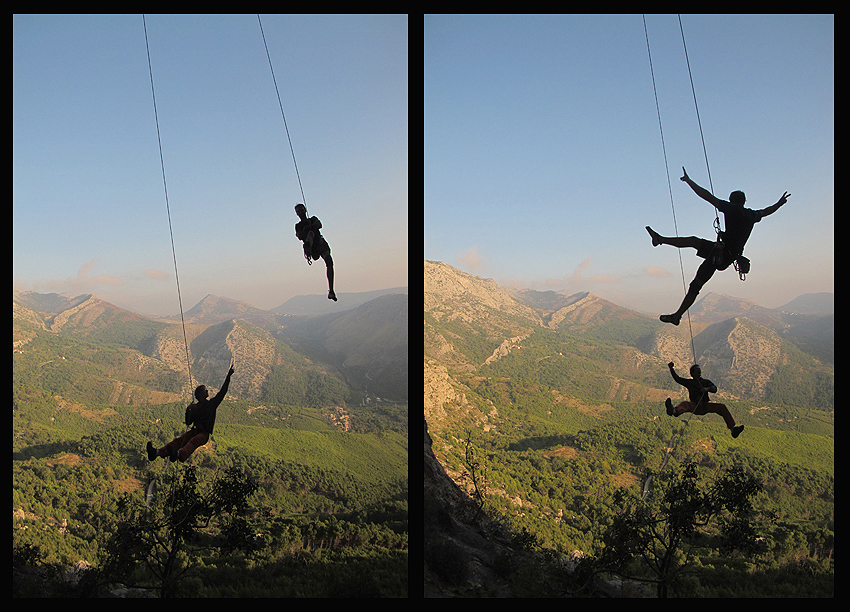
[(315, 245), (201, 417), (698, 390), (729, 246)]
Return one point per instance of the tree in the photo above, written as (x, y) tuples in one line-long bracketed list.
[(654, 541), (149, 549), (475, 467)]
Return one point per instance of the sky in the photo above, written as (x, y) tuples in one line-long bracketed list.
[(89, 207), (544, 160)]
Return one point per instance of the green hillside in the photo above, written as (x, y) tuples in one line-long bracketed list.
[(307, 495), (563, 421)]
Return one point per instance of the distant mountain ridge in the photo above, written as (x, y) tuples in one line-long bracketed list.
[(474, 328), (212, 308), (313, 305), (142, 357), (811, 303)]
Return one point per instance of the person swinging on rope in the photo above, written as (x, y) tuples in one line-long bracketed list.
[(200, 417), (315, 245), (729, 247), (698, 390)]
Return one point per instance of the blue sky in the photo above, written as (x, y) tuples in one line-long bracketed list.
[(89, 213), (543, 158)]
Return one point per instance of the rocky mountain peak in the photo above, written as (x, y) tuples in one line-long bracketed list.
[(466, 294)]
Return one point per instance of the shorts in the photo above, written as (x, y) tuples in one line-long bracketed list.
[(320, 246), (707, 250)]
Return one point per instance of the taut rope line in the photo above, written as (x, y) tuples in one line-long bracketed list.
[(167, 207), (286, 127), (669, 186)]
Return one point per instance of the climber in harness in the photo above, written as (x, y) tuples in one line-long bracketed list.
[(729, 248), (315, 245), (200, 416), (698, 390)]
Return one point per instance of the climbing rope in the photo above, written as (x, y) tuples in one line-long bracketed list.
[(671, 446), (696, 106), (676, 435), (167, 207), (282, 114), (741, 275), (669, 186)]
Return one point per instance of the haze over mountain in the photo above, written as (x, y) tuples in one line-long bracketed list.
[(811, 303), (749, 351), (318, 304), (363, 348), (315, 418)]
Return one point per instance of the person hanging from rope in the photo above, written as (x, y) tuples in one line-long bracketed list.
[(200, 417), (315, 245), (698, 390), (729, 247)]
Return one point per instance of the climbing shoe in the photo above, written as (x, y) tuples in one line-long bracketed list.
[(656, 237)]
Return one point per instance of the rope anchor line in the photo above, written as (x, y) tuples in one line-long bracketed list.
[(675, 437), (168, 207), (282, 114)]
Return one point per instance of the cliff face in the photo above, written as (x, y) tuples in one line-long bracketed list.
[(459, 558), (471, 555)]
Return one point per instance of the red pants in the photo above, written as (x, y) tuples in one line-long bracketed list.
[(185, 444), (705, 408)]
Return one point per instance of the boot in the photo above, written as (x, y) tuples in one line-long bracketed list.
[(671, 318), (656, 237)]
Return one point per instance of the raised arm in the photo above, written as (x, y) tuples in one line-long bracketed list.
[(675, 376), (705, 194), (772, 209)]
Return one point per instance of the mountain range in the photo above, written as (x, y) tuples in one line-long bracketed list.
[(544, 414), (475, 328), (104, 353)]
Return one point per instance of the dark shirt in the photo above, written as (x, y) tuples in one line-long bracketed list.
[(204, 411), (698, 389), (739, 223), (302, 228)]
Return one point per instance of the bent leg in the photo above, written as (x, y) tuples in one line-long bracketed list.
[(719, 409), (704, 273), (199, 439), (177, 443), (684, 407)]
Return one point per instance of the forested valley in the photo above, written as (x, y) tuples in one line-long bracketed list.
[(548, 412), (302, 490)]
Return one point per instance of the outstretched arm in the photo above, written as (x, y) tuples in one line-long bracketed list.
[(705, 194), (223, 391), (676, 377), (772, 209)]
